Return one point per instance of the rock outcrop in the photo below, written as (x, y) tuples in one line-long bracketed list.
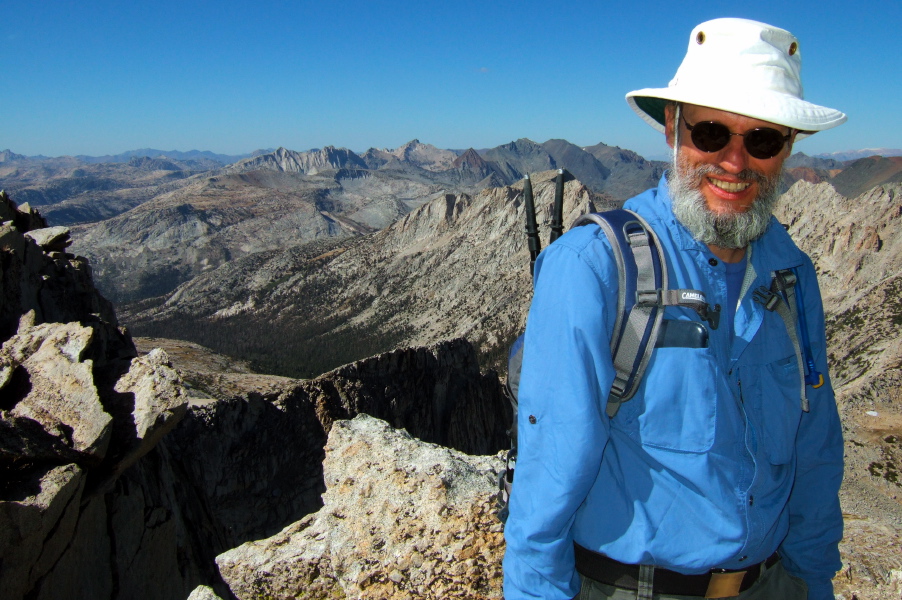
[(78, 408), (401, 519)]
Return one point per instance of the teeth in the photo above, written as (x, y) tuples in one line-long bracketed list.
[(729, 187)]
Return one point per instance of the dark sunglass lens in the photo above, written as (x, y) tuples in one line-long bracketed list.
[(764, 142), (710, 137)]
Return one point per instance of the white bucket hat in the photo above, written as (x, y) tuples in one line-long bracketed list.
[(743, 67)]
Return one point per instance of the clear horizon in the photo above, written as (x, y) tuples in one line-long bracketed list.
[(231, 78)]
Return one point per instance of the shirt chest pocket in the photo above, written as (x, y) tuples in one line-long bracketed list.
[(771, 395), (675, 406)]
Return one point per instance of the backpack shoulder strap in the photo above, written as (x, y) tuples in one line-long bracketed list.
[(639, 268), (642, 293), (782, 299)]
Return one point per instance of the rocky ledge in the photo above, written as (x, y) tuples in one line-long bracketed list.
[(401, 519)]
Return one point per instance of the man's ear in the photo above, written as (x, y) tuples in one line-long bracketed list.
[(669, 112)]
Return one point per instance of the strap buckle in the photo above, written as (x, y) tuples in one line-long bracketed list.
[(769, 299), (649, 297)]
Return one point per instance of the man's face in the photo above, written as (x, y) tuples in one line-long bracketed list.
[(730, 187), (725, 198)]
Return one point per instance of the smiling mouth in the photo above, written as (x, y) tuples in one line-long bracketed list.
[(728, 186)]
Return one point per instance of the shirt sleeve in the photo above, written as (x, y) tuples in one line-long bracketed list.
[(811, 547), (562, 428)]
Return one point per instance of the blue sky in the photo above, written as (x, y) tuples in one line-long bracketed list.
[(102, 77)]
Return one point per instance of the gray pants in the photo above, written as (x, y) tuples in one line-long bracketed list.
[(773, 584)]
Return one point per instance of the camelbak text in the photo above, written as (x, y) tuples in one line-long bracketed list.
[(692, 296)]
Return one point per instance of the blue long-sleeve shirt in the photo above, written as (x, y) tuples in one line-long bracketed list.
[(713, 464)]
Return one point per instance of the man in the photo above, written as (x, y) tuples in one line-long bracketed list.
[(719, 478)]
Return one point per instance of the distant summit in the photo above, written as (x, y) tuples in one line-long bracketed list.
[(9, 156), (309, 163), (821, 161), (470, 160), (867, 173), (425, 156)]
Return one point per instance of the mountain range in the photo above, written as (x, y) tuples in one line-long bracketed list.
[(151, 223)]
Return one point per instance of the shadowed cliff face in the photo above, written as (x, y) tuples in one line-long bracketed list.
[(267, 449)]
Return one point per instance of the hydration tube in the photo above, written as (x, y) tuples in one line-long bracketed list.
[(813, 377)]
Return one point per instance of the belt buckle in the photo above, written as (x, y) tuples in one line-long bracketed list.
[(724, 584)]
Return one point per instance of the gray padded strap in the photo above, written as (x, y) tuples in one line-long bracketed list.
[(773, 300), (630, 343), (788, 312)]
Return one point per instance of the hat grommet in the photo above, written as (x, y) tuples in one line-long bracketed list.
[(700, 38), (793, 48)]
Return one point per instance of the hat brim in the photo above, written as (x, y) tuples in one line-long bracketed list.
[(781, 109)]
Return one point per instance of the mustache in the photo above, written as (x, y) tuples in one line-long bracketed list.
[(750, 175)]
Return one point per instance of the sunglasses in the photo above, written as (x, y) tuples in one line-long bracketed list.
[(761, 142)]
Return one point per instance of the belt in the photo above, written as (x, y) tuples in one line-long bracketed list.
[(718, 583)]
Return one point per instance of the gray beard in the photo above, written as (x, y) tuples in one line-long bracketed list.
[(726, 230)]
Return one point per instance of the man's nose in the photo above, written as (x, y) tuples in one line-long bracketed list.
[(734, 157)]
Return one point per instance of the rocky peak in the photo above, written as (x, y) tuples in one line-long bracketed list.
[(309, 163), (9, 156), (470, 160), (38, 278), (425, 156)]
